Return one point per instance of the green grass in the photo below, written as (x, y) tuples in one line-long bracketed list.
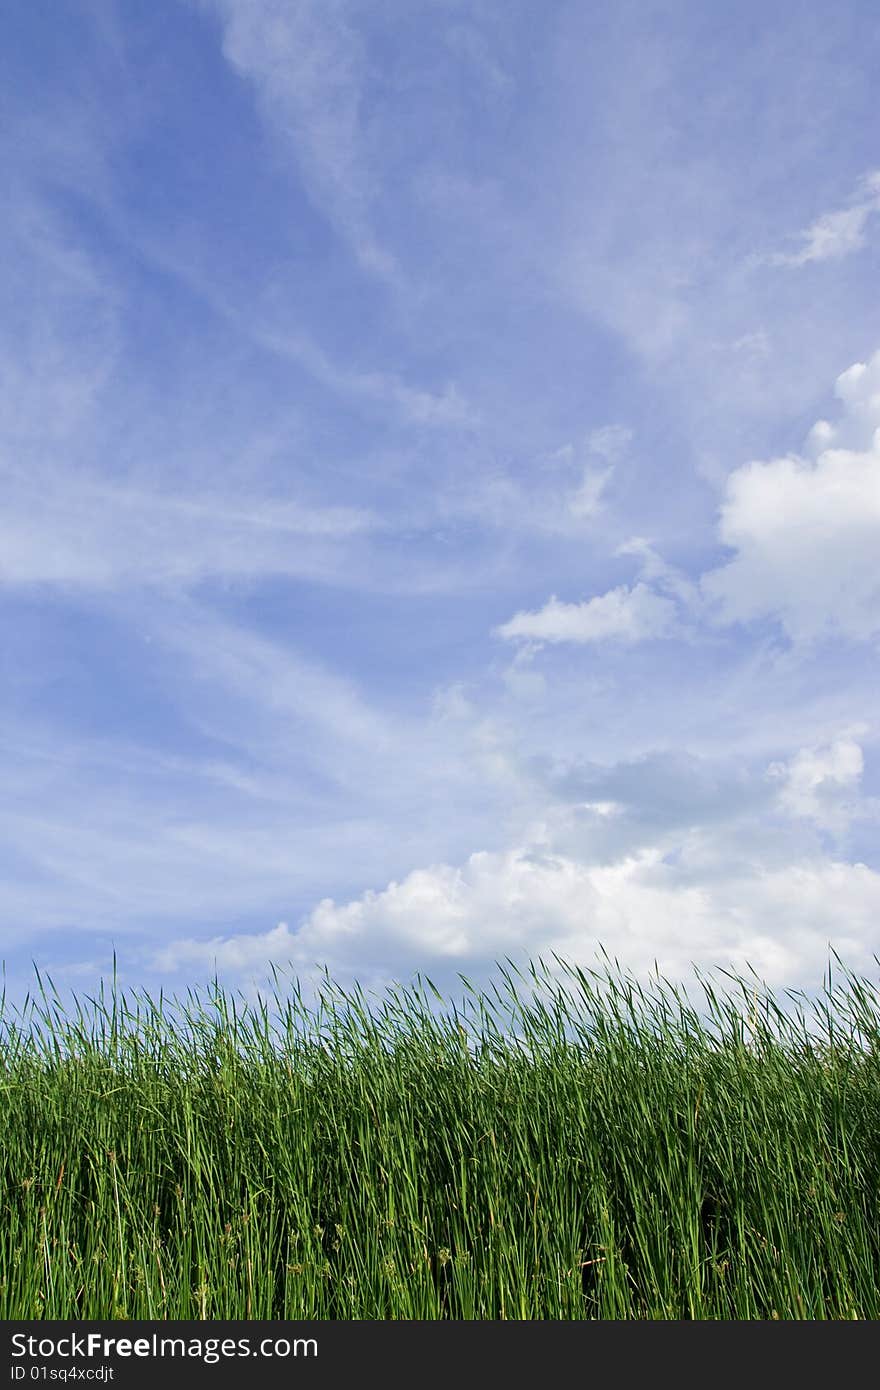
[(564, 1145)]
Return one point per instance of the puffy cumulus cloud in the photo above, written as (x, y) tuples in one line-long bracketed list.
[(229, 953), (805, 529), (837, 234), (858, 388), (807, 532), (668, 858), (493, 904), (490, 905), (624, 614), (644, 909), (821, 783)]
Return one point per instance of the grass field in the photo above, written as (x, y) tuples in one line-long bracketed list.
[(564, 1145)]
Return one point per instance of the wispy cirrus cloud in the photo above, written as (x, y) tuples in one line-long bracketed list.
[(563, 492), (307, 361), (307, 65), (839, 233), (93, 534)]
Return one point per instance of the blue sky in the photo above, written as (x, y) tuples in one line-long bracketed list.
[(440, 475)]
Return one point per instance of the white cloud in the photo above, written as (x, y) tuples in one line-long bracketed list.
[(61, 326), (661, 574), (623, 614), (521, 680), (859, 390), (236, 953), (57, 528), (561, 494), (444, 408), (640, 909), (450, 703), (282, 689), (610, 444), (306, 63), (807, 533), (821, 783), (586, 500), (837, 234)]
